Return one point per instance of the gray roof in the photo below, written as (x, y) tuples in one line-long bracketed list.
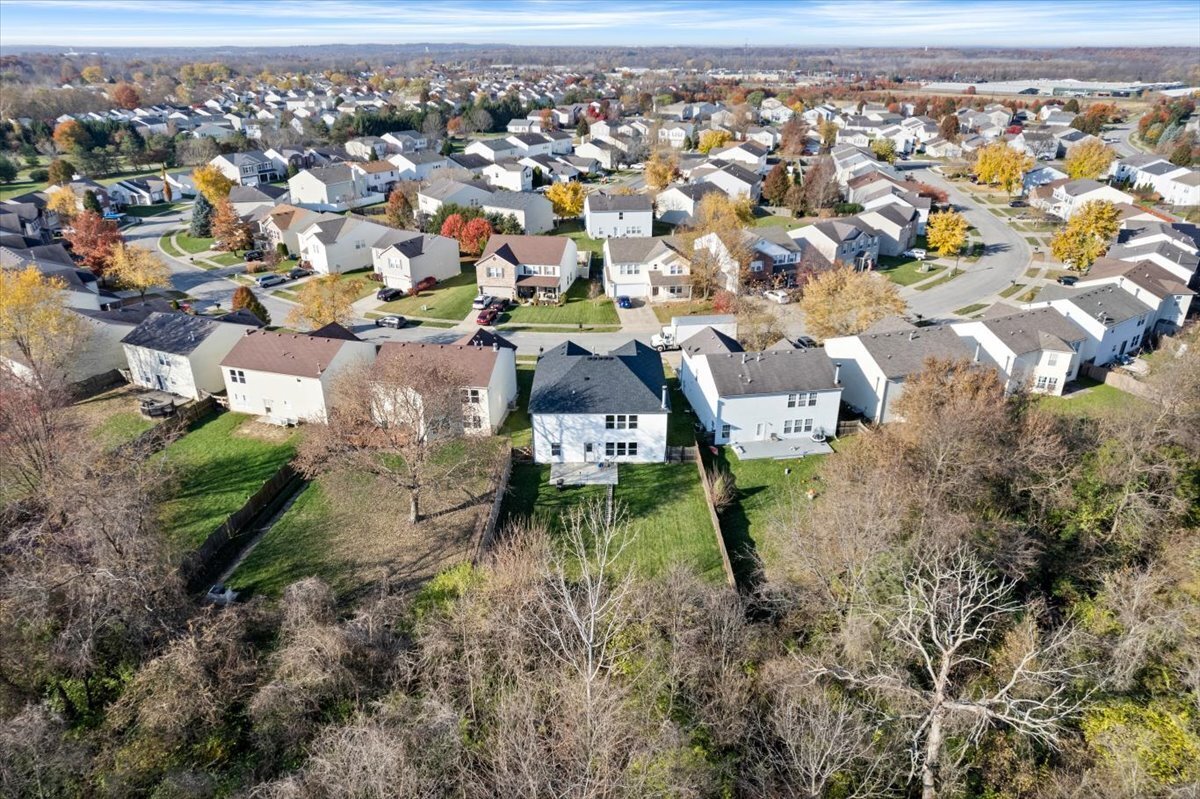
[(469, 161), (901, 354), (710, 341), (409, 243), (1036, 330), (571, 380), (619, 202), (261, 193), (1108, 304), (638, 249), (176, 333), (517, 200), (771, 372)]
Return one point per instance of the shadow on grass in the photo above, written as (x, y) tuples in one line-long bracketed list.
[(735, 529)]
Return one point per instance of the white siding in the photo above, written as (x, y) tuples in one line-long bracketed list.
[(575, 431)]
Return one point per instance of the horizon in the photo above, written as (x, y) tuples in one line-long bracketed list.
[(937, 24)]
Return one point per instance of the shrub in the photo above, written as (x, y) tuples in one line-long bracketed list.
[(39, 175)]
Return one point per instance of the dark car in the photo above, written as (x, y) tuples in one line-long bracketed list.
[(624, 302), (805, 343), (1018, 204), (392, 320), (388, 294), (297, 272), (254, 255), (424, 285), (488, 316), (1067, 280)]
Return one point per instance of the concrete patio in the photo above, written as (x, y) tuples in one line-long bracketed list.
[(583, 474), (781, 449)]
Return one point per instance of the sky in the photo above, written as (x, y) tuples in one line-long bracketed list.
[(1027, 23)]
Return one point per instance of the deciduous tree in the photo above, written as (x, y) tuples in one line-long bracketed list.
[(8, 170), (999, 164), (716, 242), (323, 300), (70, 135), (844, 302), (399, 211), (820, 185), (793, 139), (244, 297), (948, 128), (126, 96), (35, 326), (947, 233), (884, 150), (567, 199), (1086, 235), (712, 139), (62, 201), (212, 183), (93, 239), (1089, 159), (662, 169), (230, 231), (776, 185), (138, 268), (474, 236), (60, 172)]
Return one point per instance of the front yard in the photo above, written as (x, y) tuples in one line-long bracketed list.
[(906, 271), (577, 309), (192, 244), (666, 310), (218, 465), (450, 300)]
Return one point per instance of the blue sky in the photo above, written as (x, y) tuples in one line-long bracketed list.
[(1038, 23)]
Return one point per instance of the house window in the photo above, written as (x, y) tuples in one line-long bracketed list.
[(495, 271), (1044, 383), (556, 450), (620, 215), (470, 395), (620, 449), (621, 421), (631, 269), (237, 376), (162, 359), (725, 431), (802, 400), (1052, 359), (675, 269), (797, 426), (472, 422), (756, 266)]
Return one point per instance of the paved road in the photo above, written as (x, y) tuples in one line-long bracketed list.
[(1005, 257), (1122, 144)]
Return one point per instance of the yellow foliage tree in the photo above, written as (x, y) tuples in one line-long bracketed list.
[(323, 300), (726, 219), (999, 164), (35, 326), (845, 302), (61, 201), (947, 232), (138, 268), (212, 183), (1090, 159), (661, 169), (567, 199), (92, 74), (1086, 235), (711, 140)]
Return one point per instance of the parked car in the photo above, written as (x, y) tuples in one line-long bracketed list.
[(220, 594), (916, 252), (1067, 280), (1018, 204), (778, 295), (391, 320), (624, 302), (297, 272), (425, 284), (805, 343), (386, 294), (254, 255), (272, 279), (487, 316), (482, 301)]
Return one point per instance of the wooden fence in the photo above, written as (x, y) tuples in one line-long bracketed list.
[(1121, 380), (730, 579), (168, 430), (485, 529), (96, 384)]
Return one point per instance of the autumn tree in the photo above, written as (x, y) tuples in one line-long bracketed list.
[(793, 137), (138, 268), (60, 172), (93, 240), (69, 135), (716, 241), (948, 128), (35, 326), (323, 300), (999, 164), (946, 233), (212, 183), (821, 188), (230, 231), (829, 134), (474, 235), (567, 199), (92, 73), (845, 302), (452, 227), (776, 185), (712, 139), (662, 169), (1089, 159), (1087, 234), (125, 96), (62, 201), (884, 150), (244, 298), (399, 212)]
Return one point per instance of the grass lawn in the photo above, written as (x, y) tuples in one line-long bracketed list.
[(450, 300), (221, 461), (666, 310), (1011, 290), (664, 504), (573, 229), (366, 286), (577, 309), (970, 309), (192, 245), (680, 432), (144, 211), (1091, 398), (558, 328), (945, 278), (517, 426), (17, 188), (112, 418), (1036, 242), (226, 258), (906, 271), (774, 220), (169, 247)]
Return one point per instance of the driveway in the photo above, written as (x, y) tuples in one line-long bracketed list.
[(640, 318)]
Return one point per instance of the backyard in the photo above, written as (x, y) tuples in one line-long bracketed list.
[(517, 426), (219, 464), (1091, 398), (577, 309), (574, 230), (450, 300), (112, 418)]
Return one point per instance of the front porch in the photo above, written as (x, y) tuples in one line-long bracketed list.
[(537, 288), (583, 474)]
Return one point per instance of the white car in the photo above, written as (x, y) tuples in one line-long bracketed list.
[(482, 301), (778, 295), (916, 252)]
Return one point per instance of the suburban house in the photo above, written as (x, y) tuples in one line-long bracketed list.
[(406, 257), (749, 154), (1159, 288), (249, 168), (1173, 247), (509, 175), (367, 147), (772, 256), (530, 144), (588, 407), (876, 363), (180, 353), (652, 268), (782, 403), (533, 212), (525, 267), (380, 176), (416, 165), (1115, 321), (847, 241), (248, 199), (1037, 349), (339, 187), (732, 178), (333, 244), (618, 215), (895, 227), (286, 377), (138, 191), (677, 204), (80, 287), (468, 194), (494, 149), (675, 133), (1064, 198), (488, 364), (405, 141), (282, 225), (603, 152)]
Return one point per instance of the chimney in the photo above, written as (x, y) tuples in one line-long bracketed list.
[(495, 346), (837, 373), (664, 397)]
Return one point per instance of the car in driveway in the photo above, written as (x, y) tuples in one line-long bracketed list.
[(254, 255), (1018, 204), (297, 272), (916, 252), (425, 284), (778, 295), (487, 316), (805, 343), (391, 320), (624, 302), (1067, 280), (482, 301), (389, 294), (273, 279)]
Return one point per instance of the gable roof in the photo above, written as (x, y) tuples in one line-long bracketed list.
[(710, 341), (1144, 274), (526, 249), (334, 330), (771, 372), (1107, 304), (176, 333), (293, 354), (1035, 330), (600, 202), (483, 337), (639, 249), (903, 353), (571, 380), (474, 364)]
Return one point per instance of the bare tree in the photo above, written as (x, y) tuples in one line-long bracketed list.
[(942, 626)]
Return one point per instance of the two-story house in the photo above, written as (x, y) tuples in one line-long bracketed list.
[(180, 353), (403, 258), (1038, 349), (653, 268), (618, 215), (248, 168), (332, 244), (527, 267)]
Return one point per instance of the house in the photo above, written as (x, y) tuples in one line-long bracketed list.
[(404, 258), (180, 353), (895, 227), (248, 199), (777, 403), (772, 256), (286, 377), (416, 165), (1114, 320), (405, 141), (380, 176), (282, 225), (588, 407), (529, 144), (749, 154), (846, 241), (1040, 176), (1181, 188), (1175, 248), (1037, 349), (509, 175), (533, 212), (494, 149), (524, 267), (603, 152), (468, 194), (340, 187), (618, 215), (248, 168), (876, 363), (774, 110), (488, 365), (138, 191), (79, 287), (675, 133), (1161, 289), (676, 205), (366, 148), (332, 243), (1067, 197), (733, 179), (654, 268)]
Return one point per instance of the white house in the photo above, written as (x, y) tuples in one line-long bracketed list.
[(416, 165), (339, 187), (180, 353), (286, 377), (675, 133), (282, 225), (618, 215), (494, 149), (1067, 197), (333, 244), (1037, 349), (731, 178), (846, 241), (1115, 321), (380, 176), (599, 408), (367, 147), (1173, 247), (248, 199), (652, 268), (405, 141), (676, 204), (523, 267), (406, 257), (895, 227), (749, 154), (509, 175), (533, 212), (1159, 288), (782, 402), (470, 194), (247, 169)]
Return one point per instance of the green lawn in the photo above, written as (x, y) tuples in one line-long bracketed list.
[(192, 245), (1091, 398), (169, 247), (666, 310), (219, 464), (664, 503), (906, 271), (17, 188), (112, 418), (226, 259), (144, 211), (518, 426), (121, 428), (573, 229), (450, 300), (1011, 290), (774, 220), (680, 432), (970, 309), (577, 309), (945, 278)]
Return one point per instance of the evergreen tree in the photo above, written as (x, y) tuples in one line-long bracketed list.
[(582, 128), (8, 170), (201, 218), (91, 202), (775, 187)]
